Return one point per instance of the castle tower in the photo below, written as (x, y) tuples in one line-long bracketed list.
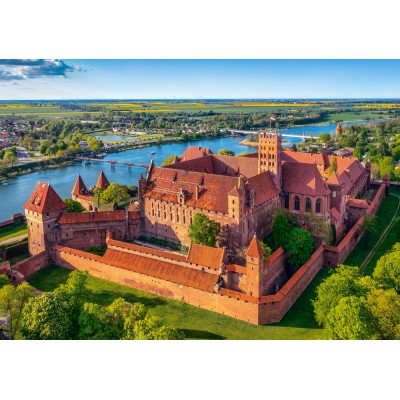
[(339, 129), (269, 156), (79, 188), (102, 182), (254, 268), (42, 211)]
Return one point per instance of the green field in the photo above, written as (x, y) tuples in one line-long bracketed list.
[(353, 116), (384, 215), (12, 231), (299, 322)]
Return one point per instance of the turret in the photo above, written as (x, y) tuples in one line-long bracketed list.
[(254, 268), (42, 211), (339, 129), (102, 182)]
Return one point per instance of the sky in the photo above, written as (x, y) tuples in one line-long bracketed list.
[(196, 79)]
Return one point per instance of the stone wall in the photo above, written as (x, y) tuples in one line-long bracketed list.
[(223, 304), (32, 264), (274, 307), (274, 271)]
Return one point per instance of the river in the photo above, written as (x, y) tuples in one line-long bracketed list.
[(16, 193)]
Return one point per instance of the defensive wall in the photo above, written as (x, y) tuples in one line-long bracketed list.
[(263, 310)]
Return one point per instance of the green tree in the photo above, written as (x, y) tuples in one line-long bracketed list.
[(350, 320), (204, 230), (73, 206), (9, 157), (280, 230), (226, 152), (367, 227), (344, 281), (299, 246), (28, 142), (333, 167), (267, 250), (14, 299), (168, 161), (386, 166), (3, 281), (151, 328), (358, 152), (325, 138), (97, 195), (384, 306), (114, 194), (387, 270), (46, 317)]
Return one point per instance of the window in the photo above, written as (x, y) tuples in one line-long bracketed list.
[(287, 202), (308, 205), (296, 203), (318, 206)]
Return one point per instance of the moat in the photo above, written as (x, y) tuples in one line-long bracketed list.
[(16, 193)]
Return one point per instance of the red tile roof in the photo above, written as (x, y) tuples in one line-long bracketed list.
[(206, 256), (79, 187), (44, 199), (97, 216), (335, 214), (358, 203), (146, 250), (263, 187), (220, 165), (161, 269), (255, 250), (102, 182), (303, 179), (339, 128), (195, 152)]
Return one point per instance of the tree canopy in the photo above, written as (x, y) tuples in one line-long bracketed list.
[(299, 246), (226, 152), (204, 230), (387, 270), (114, 194), (73, 206), (280, 230), (168, 160)]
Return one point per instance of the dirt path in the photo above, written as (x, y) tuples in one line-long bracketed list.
[(14, 239)]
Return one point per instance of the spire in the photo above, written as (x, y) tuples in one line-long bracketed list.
[(255, 250), (339, 128), (79, 187), (102, 182)]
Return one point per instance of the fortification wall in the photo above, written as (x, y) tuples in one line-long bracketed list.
[(274, 270), (376, 202), (274, 307), (32, 264), (223, 304), (4, 267), (4, 224)]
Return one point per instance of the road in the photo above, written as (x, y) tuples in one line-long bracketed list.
[(14, 239)]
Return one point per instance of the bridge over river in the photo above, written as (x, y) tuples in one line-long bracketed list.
[(302, 136), (113, 162)]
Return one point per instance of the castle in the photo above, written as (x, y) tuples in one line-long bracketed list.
[(238, 192)]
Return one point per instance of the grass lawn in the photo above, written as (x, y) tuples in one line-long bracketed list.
[(352, 116), (384, 216), (299, 322), (12, 231)]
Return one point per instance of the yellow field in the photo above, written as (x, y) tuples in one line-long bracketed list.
[(379, 106), (276, 104)]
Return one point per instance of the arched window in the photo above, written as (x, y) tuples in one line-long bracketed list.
[(296, 203), (287, 202), (308, 204), (318, 206)]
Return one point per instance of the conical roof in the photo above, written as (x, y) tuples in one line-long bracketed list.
[(339, 128), (255, 250), (79, 187), (44, 199), (102, 182)]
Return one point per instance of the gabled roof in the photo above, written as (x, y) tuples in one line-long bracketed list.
[(44, 199), (205, 256), (263, 186), (102, 182), (79, 187), (303, 179), (98, 216), (358, 203), (194, 152), (255, 250)]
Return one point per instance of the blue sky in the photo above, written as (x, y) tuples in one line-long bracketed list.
[(160, 79)]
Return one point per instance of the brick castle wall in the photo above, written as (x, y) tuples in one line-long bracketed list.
[(32, 264)]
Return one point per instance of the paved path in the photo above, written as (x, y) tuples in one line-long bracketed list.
[(382, 238), (14, 239)]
